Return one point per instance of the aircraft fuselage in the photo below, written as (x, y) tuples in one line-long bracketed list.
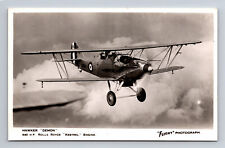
[(111, 67)]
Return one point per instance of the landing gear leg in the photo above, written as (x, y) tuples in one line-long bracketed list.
[(109, 85)]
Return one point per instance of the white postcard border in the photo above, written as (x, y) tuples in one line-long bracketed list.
[(110, 134)]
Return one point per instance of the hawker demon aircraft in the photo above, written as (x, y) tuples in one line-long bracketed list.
[(124, 66)]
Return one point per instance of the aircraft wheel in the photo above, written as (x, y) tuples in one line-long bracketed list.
[(111, 98), (141, 94)]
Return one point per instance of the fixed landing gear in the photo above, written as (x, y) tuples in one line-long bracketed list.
[(141, 94), (111, 98)]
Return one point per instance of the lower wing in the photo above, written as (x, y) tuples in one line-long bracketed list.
[(76, 79), (167, 69), (155, 71)]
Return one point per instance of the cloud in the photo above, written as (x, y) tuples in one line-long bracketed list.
[(47, 31), (174, 95), (182, 98), (46, 69), (118, 41), (29, 92)]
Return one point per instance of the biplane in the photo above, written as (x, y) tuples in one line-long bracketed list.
[(122, 65)]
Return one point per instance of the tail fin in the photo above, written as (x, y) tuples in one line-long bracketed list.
[(74, 45), (74, 54)]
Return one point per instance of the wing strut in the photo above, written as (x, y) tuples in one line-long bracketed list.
[(169, 53), (178, 52), (171, 48), (56, 63), (159, 54), (64, 65), (164, 57), (63, 68)]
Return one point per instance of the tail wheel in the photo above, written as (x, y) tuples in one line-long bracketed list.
[(141, 94), (111, 98)]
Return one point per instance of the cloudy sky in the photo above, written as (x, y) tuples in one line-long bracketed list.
[(58, 31), (185, 98)]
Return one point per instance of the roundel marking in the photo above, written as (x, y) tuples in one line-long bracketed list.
[(90, 66)]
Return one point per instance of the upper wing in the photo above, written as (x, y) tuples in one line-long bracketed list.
[(76, 79), (111, 49)]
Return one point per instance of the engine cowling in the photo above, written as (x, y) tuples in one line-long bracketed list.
[(146, 67)]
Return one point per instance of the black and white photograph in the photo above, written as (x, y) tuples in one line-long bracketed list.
[(112, 74)]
